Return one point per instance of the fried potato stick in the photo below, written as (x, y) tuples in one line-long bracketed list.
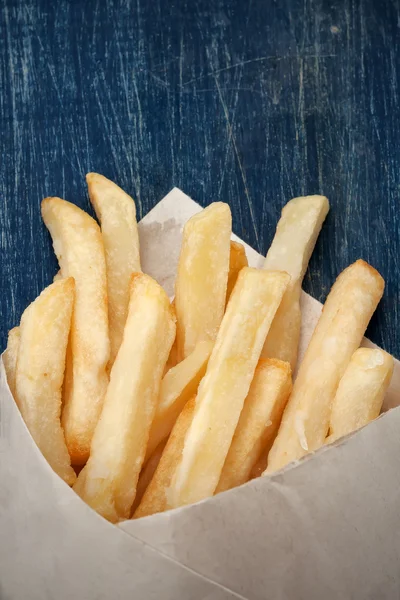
[(223, 389), (200, 287), (44, 331), (361, 391), (155, 498), (296, 234), (147, 474), (345, 316), (178, 385), (259, 467), (10, 358), (119, 442), (79, 248), (116, 212), (258, 422), (237, 260), (173, 355)]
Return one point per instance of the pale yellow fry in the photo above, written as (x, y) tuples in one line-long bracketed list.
[(79, 248), (116, 212), (44, 332), (155, 498), (120, 439), (237, 260), (177, 387), (361, 391), (10, 358), (172, 358), (345, 316), (258, 423), (200, 287), (296, 234), (223, 389), (147, 473)]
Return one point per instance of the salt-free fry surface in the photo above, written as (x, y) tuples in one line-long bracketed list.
[(296, 234), (44, 332), (201, 281), (344, 319), (119, 442), (79, 248), (116, 212), (361, 391), (222, 392)]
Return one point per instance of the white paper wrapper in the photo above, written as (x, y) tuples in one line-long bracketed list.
[(328, 527)]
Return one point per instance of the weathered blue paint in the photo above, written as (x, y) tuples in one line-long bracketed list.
[(247, 101)]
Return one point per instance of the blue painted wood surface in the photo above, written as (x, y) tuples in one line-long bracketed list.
[(247, 101)]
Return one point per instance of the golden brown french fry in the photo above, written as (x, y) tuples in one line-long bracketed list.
[(223, 389), (44, 331), (345, 316), (116, 212), (173, 355), (10, 358), (79, 248), (237, 260), (119, 442), (79, 485), (155, 498), (258, 422), (178, 385), (296, 234), (147, 473), (361, 391), (200, 287), (259, 467)]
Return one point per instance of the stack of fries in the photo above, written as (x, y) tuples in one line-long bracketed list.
[(143, 404)]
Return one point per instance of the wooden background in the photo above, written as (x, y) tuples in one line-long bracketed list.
[(247, 101)]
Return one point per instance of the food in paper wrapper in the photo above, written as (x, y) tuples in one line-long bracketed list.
[(199, 397)]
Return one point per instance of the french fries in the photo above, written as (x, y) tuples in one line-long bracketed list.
[(147, 473), (178, 385), (222, 392), (166, 404), (10, 358), (200, 287), (156, 496), (361, 391), (172, 358), (173, 355), (237, 260), (259, 467), (40, 366), (296, 234), (345, 316), (79, 248), (119, 442), (258, 421), (116, 212)]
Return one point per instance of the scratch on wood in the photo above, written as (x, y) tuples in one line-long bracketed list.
[(233, 141), (244, 63)]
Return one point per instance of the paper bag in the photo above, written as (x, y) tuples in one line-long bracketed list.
[(327, 527)]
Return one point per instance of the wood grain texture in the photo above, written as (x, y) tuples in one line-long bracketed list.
[(247, 101)]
